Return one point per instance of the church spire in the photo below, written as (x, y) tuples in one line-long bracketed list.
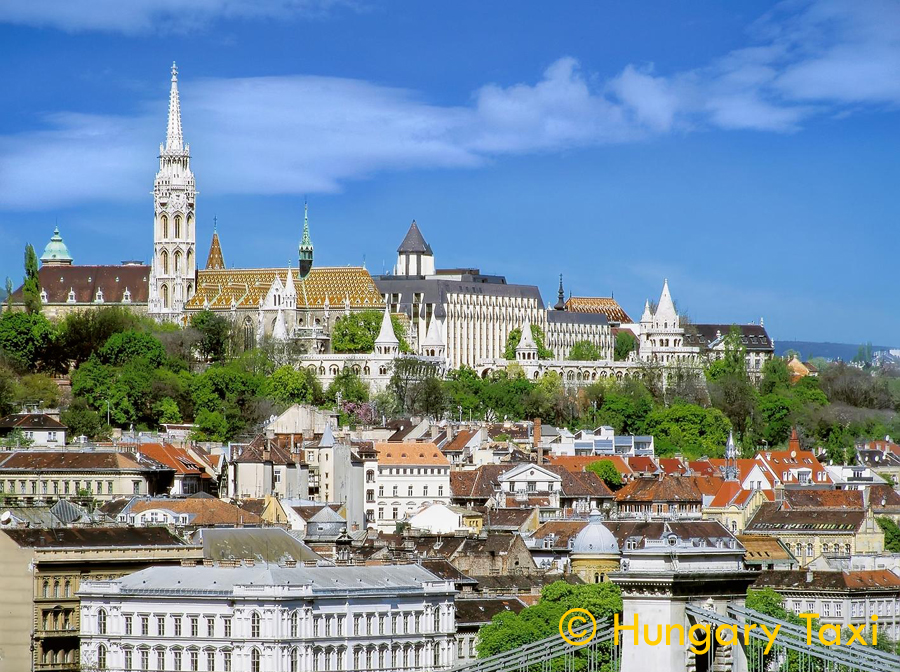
[(174, 140), (561, 295), (306, 246), (215, 261)]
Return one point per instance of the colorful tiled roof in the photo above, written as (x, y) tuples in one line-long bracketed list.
[(84, 282), (247, 288), (410, 453), (598, 304)]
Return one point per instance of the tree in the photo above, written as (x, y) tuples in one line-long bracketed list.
[(210, 426), (214, 334), (25, 339), (509, 630), (429, 398), (406, 375), (625, 345), (38, 389), (776, 413), (81, 419), (734, 395), (166, 410), (84, 332), (585, 351), (125, 346), (8, 293), (607, 472), (733, 359), (288, 385), (356, 332), (776, 376), (31, 288), (512, 342), (350, 387), (891, 534), (8, 397), (689, 428)]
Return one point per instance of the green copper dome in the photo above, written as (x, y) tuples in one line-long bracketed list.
[(56, 251)]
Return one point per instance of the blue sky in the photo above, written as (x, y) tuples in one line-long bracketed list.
[(748, 152)]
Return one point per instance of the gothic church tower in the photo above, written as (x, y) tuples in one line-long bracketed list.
[(173, 269)]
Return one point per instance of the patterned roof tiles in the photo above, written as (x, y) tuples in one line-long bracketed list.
[(598, 304)]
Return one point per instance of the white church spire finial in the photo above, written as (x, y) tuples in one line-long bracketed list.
[(174, 140)]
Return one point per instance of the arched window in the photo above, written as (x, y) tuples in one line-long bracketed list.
[(101, 622), (165, 227), (190, 225), (254, 625), (254, 660), (295, 660), (68, 589), (178, 226), (294, 624), (248, 334), (56, 589), (46, 591), (178, 268), (164, 262), (190, 259), (164, 295)]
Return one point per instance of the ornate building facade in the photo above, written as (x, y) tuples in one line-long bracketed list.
[(174, 264)]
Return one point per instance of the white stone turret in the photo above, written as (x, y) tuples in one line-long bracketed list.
[(665, 317), (174, 233), (387, 342), (433, 344), (279, 331), (527, 349), (647, 316)]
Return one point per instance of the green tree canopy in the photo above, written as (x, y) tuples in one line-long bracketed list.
[(166, 410), (776, 376), (692, 429), (25, 339), (585, 351), (891, 534), (607, 472), (512, 341), (81, 420), (356, 332), (215, 331), (288, 385), (349, 385), (31, 288), (126, 346), (625, 344), (509, 630)]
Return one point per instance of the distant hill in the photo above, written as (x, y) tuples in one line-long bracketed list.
[(809, 349)]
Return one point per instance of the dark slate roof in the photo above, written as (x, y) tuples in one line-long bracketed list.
[(753, 336), (441, 568), (481, 483), (414, 241), (73, 537), (435, 290), (709, 530), (86, 280), (30, 421), (770, 519), (265, 545), (864, 581), (565, 317), (481, 611)]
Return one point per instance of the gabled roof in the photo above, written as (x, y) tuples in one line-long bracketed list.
[(74, 537), (172, 456), (669, 489), (480, 611), (201, 511), (482, 483), (76, 460), (771, 518), (31, 421), (86, 281), (672, 465), (753, 336), (762, 548), (607, 306), (253, 452), (460, 440), (414, 241), (410, 454), (642, 463)]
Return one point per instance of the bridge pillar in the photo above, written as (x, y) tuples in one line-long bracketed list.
[(658, 599)]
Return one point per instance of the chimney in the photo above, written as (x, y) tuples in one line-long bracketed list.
[(809, 576), (794, 443), (434, 430)]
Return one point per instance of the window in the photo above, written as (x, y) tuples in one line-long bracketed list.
[(145, 659), (56, 589), (838, 608), (160, 659), (370, 476), (177, 621), (227, 622), (128, 662), (136, 487), (357, 621), (254, 661), (145, 625), (424, 490), (396, 491), (128, 625), (409, 491), (226, 661), (101, 622), (370, 496), (161, 626), (826, 607), (437, 620), (46, 589), (254, 627), (394, 513), (459, 648), (381, 625), (195, 660), (295, 660), (440, 491), (101, 657), (195, 627), (176, 659), (210, 659), (294, 625)]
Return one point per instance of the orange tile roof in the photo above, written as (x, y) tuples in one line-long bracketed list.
[(778, 461), (205, 510), (410, 453), (461, 439), (672, 465), (642, 463), (171, 456), (598, 304)]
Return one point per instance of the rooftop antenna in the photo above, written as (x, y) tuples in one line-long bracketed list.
[(215, 223)]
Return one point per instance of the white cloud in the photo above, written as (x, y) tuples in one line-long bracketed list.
[(139, 16), (301, 134)]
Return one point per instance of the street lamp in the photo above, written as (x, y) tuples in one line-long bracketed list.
[(107, 413)]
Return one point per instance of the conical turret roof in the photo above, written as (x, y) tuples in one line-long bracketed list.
[(387, 336), (215, 261), (414, 242)]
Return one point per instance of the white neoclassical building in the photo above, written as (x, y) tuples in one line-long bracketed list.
[(406, 477), (266, 618)]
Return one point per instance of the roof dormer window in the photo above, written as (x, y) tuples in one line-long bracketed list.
[(126, 298), (99, 297), (71, 297), (43, 296)]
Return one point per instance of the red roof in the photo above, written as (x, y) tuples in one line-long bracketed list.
[(85, 281), (672, 465), (703, 468), (643, 464), (171, 456)]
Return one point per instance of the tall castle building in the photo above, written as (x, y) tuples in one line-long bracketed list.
[(174, 263)]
